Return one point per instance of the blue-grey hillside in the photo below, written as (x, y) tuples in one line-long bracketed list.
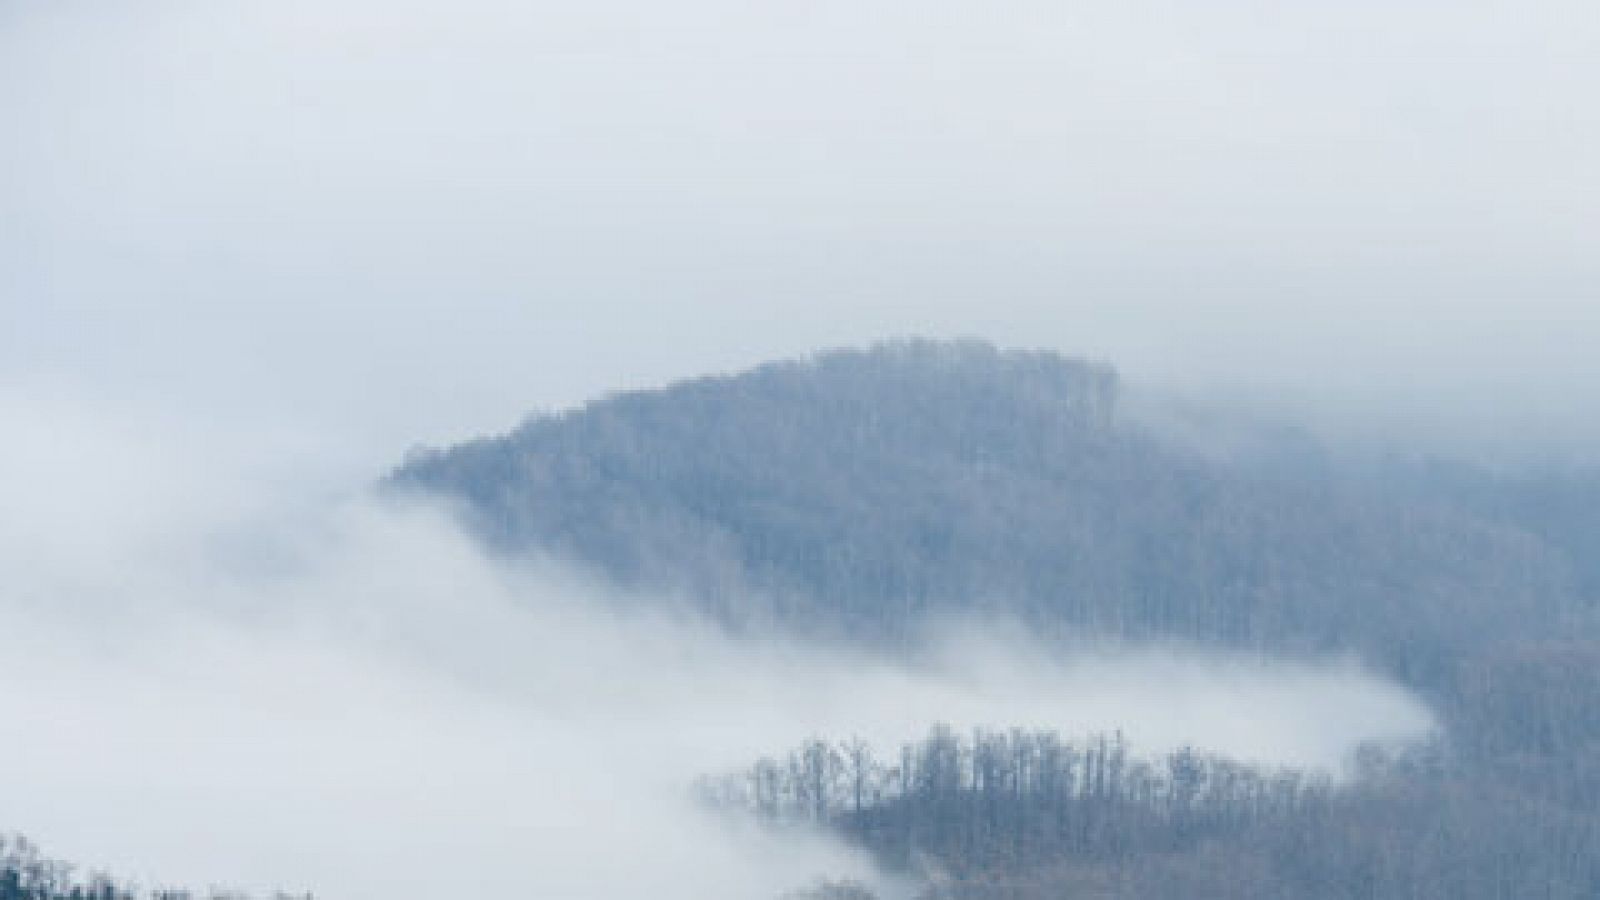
[(864, 492)]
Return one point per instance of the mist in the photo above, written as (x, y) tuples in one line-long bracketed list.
[(250, 253), (419, 220), (220, 677)]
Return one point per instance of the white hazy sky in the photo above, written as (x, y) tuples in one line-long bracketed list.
[(248, 250), (420, 219)]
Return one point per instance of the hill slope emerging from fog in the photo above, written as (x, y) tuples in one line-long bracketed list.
[(868, 492), (865, 491)]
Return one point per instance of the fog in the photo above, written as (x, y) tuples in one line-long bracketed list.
[(423, 218), (219, 674), (250, 252)]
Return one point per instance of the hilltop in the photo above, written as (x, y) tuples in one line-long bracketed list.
[(864, 492)]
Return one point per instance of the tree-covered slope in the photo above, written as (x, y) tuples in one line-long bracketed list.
[(860, 491), (1027, 815)]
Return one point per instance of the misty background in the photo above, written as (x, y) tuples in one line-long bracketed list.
[(411, 221), (251, 253)]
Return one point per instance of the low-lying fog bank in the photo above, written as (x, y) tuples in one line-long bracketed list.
[(212, 683)]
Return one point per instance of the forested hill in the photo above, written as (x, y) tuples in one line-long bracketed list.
[(861, 491), (864, 492)]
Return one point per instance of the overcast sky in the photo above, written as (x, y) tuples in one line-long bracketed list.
[(415, 221), (289, 238)]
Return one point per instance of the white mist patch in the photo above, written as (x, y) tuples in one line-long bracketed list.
[(210, 682)]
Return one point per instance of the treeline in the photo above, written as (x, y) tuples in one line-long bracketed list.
[(1027, 816), (26, 874), (1018, 799)]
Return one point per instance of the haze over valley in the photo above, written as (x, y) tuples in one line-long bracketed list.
[(799, 452)]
